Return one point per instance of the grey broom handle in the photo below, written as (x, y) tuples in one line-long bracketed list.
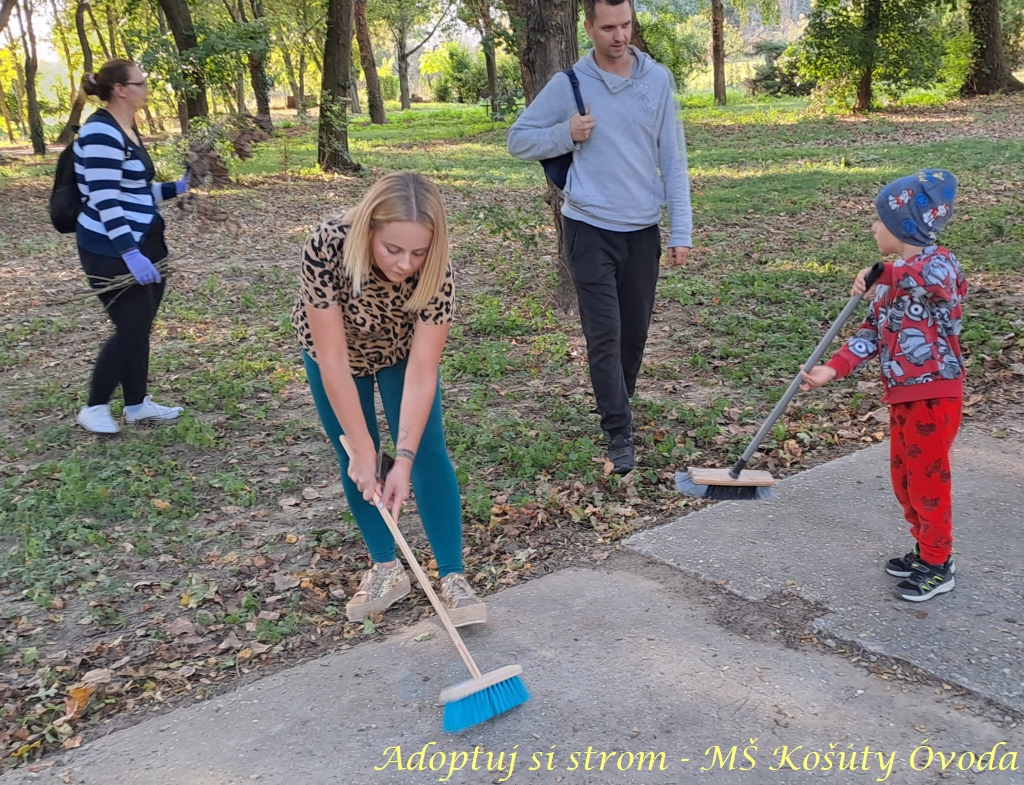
[(794, 386)]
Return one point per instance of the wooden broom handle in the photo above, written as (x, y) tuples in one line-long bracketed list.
[(442, 614)]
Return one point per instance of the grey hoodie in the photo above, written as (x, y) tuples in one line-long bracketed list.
[(635, 158)]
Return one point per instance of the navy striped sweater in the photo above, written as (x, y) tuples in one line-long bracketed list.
[(121, 199)]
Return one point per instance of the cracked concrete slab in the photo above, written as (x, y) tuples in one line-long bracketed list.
[(828, 535), (616, 662)]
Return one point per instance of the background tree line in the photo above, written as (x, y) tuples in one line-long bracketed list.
[(228, 57)]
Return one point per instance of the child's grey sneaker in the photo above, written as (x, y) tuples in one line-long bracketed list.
[(927, 581), (902, 566)]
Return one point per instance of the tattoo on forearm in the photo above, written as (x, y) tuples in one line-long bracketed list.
[(407, 454)]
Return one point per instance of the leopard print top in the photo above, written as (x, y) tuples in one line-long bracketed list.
[(379, 331)]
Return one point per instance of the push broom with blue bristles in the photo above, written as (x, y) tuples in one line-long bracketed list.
[(485, 695), (740, 483)]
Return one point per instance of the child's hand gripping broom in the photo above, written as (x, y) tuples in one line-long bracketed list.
[(484, 696), (737, 483)]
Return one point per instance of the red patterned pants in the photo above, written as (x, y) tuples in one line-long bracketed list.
[(922, 434)]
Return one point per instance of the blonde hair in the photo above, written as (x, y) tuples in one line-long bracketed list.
[(401, 196)]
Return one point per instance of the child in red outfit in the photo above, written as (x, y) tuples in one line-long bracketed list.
[(914, 327)]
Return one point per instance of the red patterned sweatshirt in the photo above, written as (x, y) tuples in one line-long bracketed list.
[(914, 328)]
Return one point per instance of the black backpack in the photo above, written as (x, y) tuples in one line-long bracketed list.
[(557, 169), (66, 200)]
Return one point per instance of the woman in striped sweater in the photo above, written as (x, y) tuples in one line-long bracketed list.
[(120, 230)]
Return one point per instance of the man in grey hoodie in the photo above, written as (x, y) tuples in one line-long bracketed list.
[(629, 158)]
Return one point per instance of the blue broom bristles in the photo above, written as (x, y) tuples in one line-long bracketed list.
[(485, 704)]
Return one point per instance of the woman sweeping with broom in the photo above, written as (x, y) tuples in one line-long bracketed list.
[(374, 309), (120, 231)]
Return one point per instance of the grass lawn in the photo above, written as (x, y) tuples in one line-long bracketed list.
[(177, 560)]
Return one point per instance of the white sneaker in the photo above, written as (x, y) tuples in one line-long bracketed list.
[(97, 419), (152, 411)]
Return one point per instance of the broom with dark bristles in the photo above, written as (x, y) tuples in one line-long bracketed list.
[(739, 483), (484, 696)]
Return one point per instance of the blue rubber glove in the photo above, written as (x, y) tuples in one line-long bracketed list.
[(141, 267), (180, 186)]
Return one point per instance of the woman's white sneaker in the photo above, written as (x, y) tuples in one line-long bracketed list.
[(148, 410), (97, 419)]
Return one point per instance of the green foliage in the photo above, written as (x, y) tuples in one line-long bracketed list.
[(1013, 32), (461, 75), (221, 55), (780, 73), (958, 49), (907, 52), (673, 44), (389, 87)]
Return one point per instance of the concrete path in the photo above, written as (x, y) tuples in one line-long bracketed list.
[(830, 531), (635, 680), (616, 663)]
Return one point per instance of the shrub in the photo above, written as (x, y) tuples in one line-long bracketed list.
[(389, 87), (780, 73), (461, 75)]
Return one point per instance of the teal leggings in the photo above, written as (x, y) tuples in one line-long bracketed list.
[(433, 477)]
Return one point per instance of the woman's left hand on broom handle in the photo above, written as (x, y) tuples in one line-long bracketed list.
[(396, 487)]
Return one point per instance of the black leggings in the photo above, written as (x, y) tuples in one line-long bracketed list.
[(124, 358)]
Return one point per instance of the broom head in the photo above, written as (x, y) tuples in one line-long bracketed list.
[(478, 700), (719, 485)]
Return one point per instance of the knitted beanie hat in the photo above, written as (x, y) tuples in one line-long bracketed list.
[(915, 208)]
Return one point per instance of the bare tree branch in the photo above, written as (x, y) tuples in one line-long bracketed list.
[(5, 12), (430, 35)]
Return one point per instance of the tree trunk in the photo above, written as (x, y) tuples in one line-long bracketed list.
[(6, 113), (638, 39), (491, 60), (19, 93), (356, 108), (869, 53), (111, 29), (240, 94), (332, 138), (403, 54), (718, 50), (547, 43), (258, 75), (179, 19), (75, 119), (28, 42), (545, 39), (149, 119), (99, 34), (990, 72), (261, 87), (293, 85), (316, 58), (301, 98), (407, 101), (374, 99)]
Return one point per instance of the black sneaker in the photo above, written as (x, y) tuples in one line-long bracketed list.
[(902, 566), (621, 454), (927, 581)]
